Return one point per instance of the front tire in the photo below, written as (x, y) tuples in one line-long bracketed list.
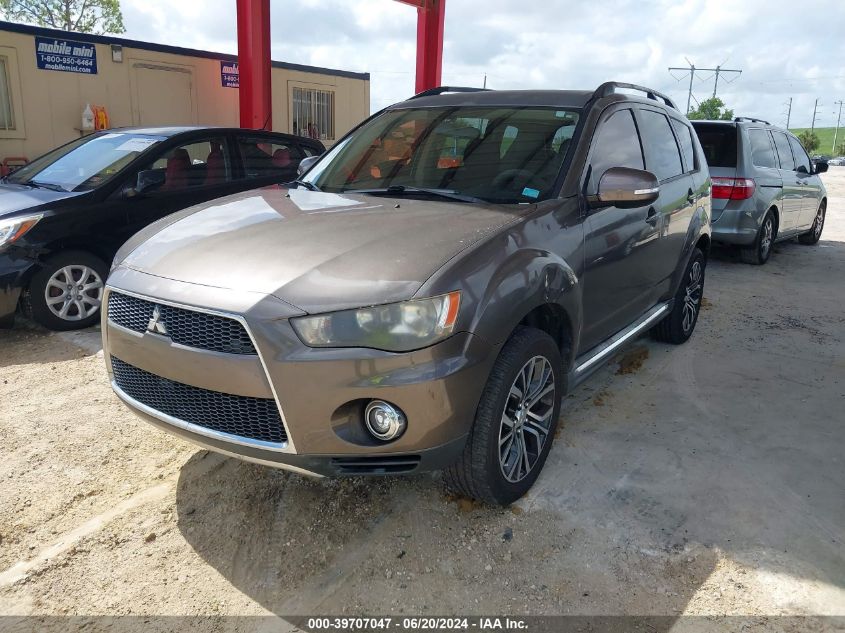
[(515, 422), (67, 292), (677, 326), (814, 234), (759, 253)]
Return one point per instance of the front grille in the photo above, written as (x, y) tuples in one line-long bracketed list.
[(251, 418), (186, 327), (376, 465)]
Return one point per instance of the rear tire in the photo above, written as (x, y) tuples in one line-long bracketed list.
[(511, 437), (759, 253), (679, 324), (813, 236), (66, 293)]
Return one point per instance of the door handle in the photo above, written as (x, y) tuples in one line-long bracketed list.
[(652, 216)]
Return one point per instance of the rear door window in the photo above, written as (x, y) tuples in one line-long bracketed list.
[(684, 134), (784, 153), (762, 153), (617, 144), (662, 155), (718, 140), (801, 158), (266, 157)]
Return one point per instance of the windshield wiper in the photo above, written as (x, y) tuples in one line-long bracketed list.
[(44, 185), (308, 185), (399, 190)]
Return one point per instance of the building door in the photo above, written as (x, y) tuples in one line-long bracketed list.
[(163, 95)]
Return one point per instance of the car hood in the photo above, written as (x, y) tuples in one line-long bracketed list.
[(316, 251), (20, 198)]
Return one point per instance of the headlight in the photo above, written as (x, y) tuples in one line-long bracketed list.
[(12, 229), (396, 327)]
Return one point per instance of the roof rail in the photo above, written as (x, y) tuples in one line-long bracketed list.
[(748, 118), (610, 87), (442, 89)]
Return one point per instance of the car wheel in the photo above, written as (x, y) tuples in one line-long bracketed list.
[(760, 252), (678, 325), (815, 233), (66, 293), (515, 422)]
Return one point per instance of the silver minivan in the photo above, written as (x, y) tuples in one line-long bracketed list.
[(765, 188)]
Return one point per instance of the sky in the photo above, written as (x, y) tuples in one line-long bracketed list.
[(785, 49)]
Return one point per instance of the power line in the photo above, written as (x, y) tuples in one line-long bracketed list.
[(692, 70)]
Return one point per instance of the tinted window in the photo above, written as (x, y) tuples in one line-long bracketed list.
[(801, 158), (762, 153), (617, 145), (662, 157), (684, 134), (265, 157), (784, 153), (192, 165), (718, 142)]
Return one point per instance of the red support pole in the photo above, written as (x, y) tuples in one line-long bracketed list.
[(255, 97), (430, 22)]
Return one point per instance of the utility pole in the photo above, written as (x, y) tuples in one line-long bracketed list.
[(718, 70), (815, 112), (789, 113), (692, 70), (838, 120), (485, 81)]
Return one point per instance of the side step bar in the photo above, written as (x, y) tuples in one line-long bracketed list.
[(589, 362)]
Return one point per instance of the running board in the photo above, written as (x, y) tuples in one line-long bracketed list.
[(585, 364)]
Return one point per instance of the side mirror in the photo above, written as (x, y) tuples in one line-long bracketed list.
[(625, 188), (148, 180), (820, 167), (305, 164)]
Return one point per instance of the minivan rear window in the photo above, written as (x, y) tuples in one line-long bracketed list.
[(718, 142)]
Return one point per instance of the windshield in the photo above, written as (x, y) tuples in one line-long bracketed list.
[(503, 155), (84, 164)]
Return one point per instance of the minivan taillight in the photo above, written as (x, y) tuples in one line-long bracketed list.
[(733, 188)]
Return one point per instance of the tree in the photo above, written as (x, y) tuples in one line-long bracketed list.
[(84, 16), (810, 140), (711, 109)]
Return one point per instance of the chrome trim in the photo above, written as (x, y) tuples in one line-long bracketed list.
[(284, 447), (639, 192), (614, 343)]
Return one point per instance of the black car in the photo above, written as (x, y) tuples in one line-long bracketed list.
[(64, 215)]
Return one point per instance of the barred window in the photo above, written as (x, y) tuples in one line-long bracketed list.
[(313, 113), (7, 120)]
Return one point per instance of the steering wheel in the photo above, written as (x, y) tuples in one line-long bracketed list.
[(506, 179)]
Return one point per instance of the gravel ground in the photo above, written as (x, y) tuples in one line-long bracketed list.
[(705, 479)]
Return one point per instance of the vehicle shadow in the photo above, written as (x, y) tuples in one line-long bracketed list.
[(299, 546), (28, 343)]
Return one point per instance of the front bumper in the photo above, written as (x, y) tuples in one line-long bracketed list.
[(13, 275), (321, 393)]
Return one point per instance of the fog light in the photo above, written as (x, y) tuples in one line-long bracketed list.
[(384, 421)]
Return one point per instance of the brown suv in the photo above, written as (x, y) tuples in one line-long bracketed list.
[(426, 293)]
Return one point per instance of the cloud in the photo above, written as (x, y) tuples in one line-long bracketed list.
[(783, 49)]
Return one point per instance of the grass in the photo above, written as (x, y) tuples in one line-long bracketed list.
[(825, 135)]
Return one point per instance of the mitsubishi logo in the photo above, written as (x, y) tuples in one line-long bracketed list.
[(156, 325)]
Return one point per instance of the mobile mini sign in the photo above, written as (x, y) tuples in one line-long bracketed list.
[(65, 55), (230, 75)]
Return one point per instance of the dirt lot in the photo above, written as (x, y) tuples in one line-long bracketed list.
[(705, 479)]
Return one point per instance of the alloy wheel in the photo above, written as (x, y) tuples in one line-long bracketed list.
[(692, 295), (527, 419), (74, 292), (819, 223), (766, 237)]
